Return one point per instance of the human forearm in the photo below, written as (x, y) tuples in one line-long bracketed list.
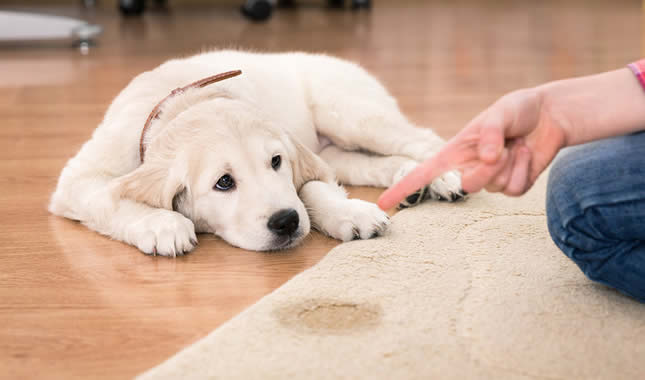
[(595, 107)]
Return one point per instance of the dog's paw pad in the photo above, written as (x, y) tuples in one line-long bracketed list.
[(418, 196), (414, 198)]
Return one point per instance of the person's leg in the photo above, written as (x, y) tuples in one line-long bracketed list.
[(596, 210)]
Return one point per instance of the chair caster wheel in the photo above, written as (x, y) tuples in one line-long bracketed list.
[(358, 4), (257, 10), (132, 7)]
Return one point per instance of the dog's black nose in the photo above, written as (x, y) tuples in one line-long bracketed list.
[(284, 222)]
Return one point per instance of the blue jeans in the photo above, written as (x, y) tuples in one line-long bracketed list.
[(596, 210)]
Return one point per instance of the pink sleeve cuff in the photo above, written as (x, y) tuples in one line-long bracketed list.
[(638, 68)]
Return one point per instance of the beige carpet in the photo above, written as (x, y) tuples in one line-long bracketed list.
[(453, 291)]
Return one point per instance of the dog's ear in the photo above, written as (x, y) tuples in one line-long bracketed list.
[(307, 166), (154, 184)]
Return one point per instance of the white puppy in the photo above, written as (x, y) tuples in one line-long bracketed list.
[(253, 159)]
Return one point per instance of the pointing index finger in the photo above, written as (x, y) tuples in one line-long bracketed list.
[(422, 175)]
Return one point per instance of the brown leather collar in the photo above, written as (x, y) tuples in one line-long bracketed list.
[(199, 84)]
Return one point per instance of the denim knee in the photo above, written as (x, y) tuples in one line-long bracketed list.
[(564, 214), (592, 225), (571, 227)]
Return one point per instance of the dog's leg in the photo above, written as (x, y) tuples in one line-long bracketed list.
[(381, 171), (344, 219), (90, 199), (354, 125), (364, 169)]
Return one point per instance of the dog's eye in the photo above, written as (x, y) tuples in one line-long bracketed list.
[(225, 183), (275, 162)]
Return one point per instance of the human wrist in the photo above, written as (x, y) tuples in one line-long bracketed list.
[(554, 116)]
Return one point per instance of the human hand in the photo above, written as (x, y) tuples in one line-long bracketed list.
[(503, 149)]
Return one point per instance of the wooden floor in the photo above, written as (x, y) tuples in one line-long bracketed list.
[(75, 305)]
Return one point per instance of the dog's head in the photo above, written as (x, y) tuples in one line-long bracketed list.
[(231, 172)]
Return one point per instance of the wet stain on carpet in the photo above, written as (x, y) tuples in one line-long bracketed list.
[(328, 316)]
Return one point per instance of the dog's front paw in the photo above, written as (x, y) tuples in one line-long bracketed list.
[(447, 187), (355, 219), (416, 197), (165, 233)]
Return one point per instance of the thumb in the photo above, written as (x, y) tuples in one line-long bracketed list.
[(491, 137), (477, 178)]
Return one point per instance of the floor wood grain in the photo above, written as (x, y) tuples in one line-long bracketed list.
[(76, 305)]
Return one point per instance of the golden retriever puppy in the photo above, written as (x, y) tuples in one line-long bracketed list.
[(253, 158)]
